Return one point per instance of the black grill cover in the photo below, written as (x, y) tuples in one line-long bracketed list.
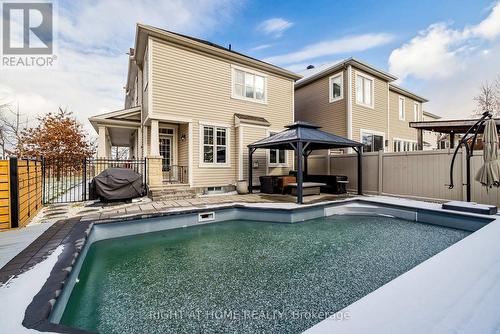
[(117, 184)]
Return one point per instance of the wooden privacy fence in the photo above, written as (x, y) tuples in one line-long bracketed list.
[(419, 174), (20, 191)]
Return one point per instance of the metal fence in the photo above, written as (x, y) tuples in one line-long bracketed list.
[(68, 180)]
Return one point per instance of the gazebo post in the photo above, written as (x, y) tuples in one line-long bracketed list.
[(250, 169), (360, 170), (298, 154)]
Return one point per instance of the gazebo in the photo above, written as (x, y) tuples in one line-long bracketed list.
[(303, 138)]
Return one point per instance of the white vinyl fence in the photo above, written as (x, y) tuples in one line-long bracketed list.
[(419, 174)]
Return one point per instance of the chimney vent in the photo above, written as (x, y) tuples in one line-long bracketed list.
[(310, 67)]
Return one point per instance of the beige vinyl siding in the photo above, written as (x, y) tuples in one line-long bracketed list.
[(312, 104), (400, 128), (250, 135), (183, 159), (195, 86), (366, 118)]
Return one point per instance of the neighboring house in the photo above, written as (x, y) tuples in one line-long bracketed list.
[(430, 138), (192, 107), (358, 101)]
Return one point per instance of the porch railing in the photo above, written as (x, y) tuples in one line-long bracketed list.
[(175, 173)]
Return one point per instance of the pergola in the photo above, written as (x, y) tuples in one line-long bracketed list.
[(303, 138)]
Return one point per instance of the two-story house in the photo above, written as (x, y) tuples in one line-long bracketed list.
[(192, 107), (358, 101)]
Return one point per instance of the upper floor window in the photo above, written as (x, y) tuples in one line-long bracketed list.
[(145, 70), (415, 112), (249, 85), (364, 90), (215, 148), (336, 87), (136, 92), (401, 108), (277, 157)]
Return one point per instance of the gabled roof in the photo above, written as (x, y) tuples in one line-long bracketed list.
[(203, 46), (315, 74), (307, 133), (406, 92)]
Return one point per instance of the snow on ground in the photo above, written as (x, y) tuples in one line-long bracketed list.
[(18, 294)]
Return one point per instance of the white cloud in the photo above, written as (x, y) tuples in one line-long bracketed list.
[(92, 64), (333, 47), (275, 26), (440, 51), (448, 65), (261, 47)]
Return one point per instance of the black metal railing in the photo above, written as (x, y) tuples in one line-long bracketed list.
[(68, 180), (175, 173)]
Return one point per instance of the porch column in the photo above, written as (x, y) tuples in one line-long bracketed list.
[(102, 144), (138, 151), (420, 139), (144, 142), (155, 139)]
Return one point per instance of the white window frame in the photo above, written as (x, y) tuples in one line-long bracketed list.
[(145, 70), (214, 164), (278, 164), (401, 116), (372, 132), (416, 111), (244, 98), (330, 86), (366, 77), (403, 141)]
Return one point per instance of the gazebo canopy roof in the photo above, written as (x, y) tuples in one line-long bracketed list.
[(307, 133)]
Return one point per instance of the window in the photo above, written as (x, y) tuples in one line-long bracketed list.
[(145, 70), (402, 145), (249, 86), (277, 157), (214, 145), (364, 90), (401, 108), (372, 142), (336, 87), (415, 112)]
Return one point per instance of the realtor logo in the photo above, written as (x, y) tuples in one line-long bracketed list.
[(27, 34)]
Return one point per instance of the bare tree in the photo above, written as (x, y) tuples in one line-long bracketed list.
[(12, 124), (488, 99)]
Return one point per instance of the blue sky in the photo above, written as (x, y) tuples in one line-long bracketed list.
[(442, 50)]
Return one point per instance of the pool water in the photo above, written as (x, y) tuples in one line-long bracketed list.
[(245, 276)]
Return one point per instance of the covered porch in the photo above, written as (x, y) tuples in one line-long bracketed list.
[(163, 145)]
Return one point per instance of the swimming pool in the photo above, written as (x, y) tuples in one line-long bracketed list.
[(244, 276)]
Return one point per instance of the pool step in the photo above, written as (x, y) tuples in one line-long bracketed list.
[(171, 192)]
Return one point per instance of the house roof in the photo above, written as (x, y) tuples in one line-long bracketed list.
[(143, 30), (426, 113), (448, 126), (324, 70), (252, 119), (318, 72), (307, 133), (406, 92)]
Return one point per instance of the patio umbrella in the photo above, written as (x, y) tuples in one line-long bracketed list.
[(489, 174)]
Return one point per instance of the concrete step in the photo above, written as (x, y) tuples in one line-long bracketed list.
[(171, 192)]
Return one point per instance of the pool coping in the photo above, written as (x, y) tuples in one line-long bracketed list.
[(73, 233)]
